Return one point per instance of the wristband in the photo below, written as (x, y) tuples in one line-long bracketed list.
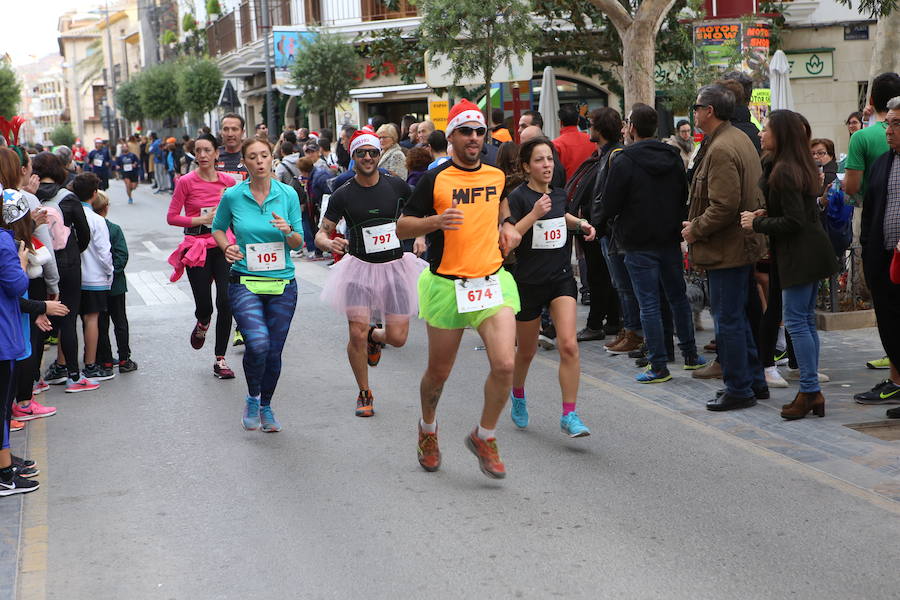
[(510, 220)]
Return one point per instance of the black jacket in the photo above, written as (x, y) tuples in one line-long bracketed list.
[(871, 232), (597, 217), (741, 120), (646, 192), (798, 244), (74, 218)]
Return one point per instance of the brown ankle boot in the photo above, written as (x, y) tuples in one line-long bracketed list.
[(803, 403)]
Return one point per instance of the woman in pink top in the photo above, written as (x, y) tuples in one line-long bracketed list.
[(197, 194)]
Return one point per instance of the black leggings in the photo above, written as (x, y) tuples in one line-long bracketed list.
[(215, 270), (7, 392), (770, 323), (70, 295), (115, 310), (604, 298)]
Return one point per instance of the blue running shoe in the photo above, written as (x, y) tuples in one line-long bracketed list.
[(692, 363), (251, 414), (651, 376), (572, 425), (269, 423), (518, 410)]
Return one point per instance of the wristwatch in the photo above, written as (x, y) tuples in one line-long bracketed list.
[(510, 220)]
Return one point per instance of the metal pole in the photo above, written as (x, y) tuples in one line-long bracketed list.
[(270, 99), (111, 85)]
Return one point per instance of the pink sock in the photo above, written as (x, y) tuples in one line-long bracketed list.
[(568, 407), (518, 392)]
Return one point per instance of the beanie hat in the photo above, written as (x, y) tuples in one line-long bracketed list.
[(15, 206), (463, 112), (363, 138)]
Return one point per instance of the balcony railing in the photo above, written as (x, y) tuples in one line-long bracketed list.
[(221, 36)]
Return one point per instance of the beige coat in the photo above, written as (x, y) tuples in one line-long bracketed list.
[(725, 183)]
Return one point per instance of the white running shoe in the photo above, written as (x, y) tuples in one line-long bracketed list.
[(774, 378)]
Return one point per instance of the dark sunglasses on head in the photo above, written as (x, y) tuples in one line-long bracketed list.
[(372, 153), (467, 131)]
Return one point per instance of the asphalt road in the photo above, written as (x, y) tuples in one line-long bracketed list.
[(151, 489)]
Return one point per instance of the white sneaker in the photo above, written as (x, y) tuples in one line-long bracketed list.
[(774, 378), (794, 375)]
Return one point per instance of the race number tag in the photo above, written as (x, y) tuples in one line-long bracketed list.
[(477, 294), (380, 238), (549, 234), (98, 162), (127, 167), (206, 210), (265, 257)]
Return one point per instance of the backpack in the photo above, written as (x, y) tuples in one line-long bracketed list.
[(838, 220), (296, 183)]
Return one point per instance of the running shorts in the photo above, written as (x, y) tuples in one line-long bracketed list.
[(534, 297), (437, 301)]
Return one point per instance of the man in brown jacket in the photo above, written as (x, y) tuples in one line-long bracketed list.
[(725, 182)]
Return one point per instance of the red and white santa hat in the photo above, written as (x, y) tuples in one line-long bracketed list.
[(364, 138), (464, 111)]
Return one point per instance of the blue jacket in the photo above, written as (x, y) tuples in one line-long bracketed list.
[(156, 151), (13, 284), (103, 170)]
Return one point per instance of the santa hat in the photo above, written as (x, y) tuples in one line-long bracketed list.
[(464, 111), (368, 127), (363, 138)]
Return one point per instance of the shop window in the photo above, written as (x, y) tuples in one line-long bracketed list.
[(376, 10)]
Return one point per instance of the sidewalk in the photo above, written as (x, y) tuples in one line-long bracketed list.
[(826, 444)]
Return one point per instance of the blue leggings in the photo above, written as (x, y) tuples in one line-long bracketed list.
[(264, 320)]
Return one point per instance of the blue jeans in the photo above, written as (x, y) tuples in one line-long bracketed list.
[(799, 303), (264, 320), (631, 316), (309, 230), (741, 369), (650, 271)]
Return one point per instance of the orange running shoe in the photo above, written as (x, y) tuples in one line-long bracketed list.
[(373, 349), (16, 425), (429, 453), (364, 406), (488, 456)]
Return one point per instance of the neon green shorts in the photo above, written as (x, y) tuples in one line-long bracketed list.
[(437, 301)]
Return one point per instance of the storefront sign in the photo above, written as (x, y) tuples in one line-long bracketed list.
[(440, 75), (718, 42), (806, 65), (438, 111), (728, 44), (286, 45), (760, 105)]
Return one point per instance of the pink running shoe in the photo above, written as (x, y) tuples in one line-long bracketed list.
[(221, 369), (40, 387), (34, 410), (82, 385), (16, 425)]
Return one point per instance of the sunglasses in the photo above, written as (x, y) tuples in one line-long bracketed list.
[(371, 153), (697, 107), (467, 131)]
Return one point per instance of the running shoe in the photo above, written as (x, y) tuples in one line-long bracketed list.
[(572, 425), (198, 335), (518, 411), (34, 410), (373, 350), (780, 358), (16, 425), (56, 374), (364, 402), (17, 485), (879, 363), (269, 423), (651, 376), (238, 339), (250, 420), (693, 363), (774, 378), (221, 369), (40, 387), (82, 385), (108, 370), (52, 340), (487, 454), (18, 461), (127, 366), (886, 392), (428, 451), (26, 472), (794, 375), (95, 372)]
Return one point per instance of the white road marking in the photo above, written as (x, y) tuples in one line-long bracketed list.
[(155, 288)]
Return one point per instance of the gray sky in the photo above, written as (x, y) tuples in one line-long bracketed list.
[(32, 31)]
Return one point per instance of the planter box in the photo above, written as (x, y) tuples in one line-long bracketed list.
[(857, 319)]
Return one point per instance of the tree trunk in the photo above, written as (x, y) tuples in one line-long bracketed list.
[(487, 105), (885, 57), (638, 63)]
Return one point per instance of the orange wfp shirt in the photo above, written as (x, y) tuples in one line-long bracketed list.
[(474, 249)]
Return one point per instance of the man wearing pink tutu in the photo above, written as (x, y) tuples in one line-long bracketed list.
[(458, 206), (376, 281)]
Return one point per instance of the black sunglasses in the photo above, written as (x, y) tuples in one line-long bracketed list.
[(699, 106), (372, 153), (467, 131)]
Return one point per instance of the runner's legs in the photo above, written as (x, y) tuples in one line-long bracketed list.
[(443, 344), (563, 311), (499, 335), (527, 342)]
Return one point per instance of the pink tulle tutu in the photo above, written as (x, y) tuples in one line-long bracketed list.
[(367, 292)]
